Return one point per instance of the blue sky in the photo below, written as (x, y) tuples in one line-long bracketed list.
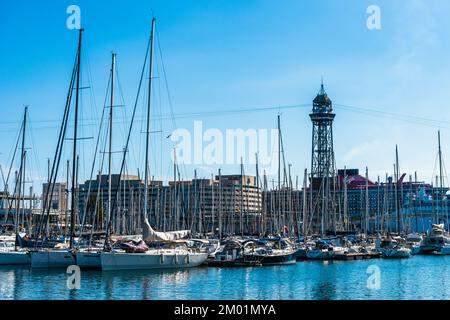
[(229, 55)]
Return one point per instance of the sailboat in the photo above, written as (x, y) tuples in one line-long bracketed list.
[(10, 253), (90, 257), (394, 247), (174, 252), (62, 255)]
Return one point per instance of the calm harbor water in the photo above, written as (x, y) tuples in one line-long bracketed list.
[(420, 277)]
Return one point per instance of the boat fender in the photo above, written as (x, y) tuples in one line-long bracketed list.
[(175, 259), (187, 258), (162, 258)]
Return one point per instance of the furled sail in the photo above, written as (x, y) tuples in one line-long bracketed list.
[(148, 234)]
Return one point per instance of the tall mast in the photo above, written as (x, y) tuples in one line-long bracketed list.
[(377, 219), (412, 205), (440, 160), (22, 159), (16, 199), (212, 205), (220, 204), (174, 196), (74, 155), (113, 71), (178, 191), (242, 200), (19, 179), (76, 184), (201, 209), (195, 211), (288, 197), (367, 202), (279, 153), (345, 200), (279, 176), (257, 186), (440, 174), (147, 133), (297, 206), (398, 199), (30, 217), (67, 198), (305, 182), (265, 201), (310, 199), (48, 170), (387, 202)]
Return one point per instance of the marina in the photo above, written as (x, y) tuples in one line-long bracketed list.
[(122, 211)]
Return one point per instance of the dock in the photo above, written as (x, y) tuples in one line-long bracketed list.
[(357, 256)]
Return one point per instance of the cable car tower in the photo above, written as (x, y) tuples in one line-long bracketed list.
[(323, 208)]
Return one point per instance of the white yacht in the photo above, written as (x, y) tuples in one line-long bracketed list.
[(436, 241), (271, 251), (392, 248), (324, 251), (413, 241)]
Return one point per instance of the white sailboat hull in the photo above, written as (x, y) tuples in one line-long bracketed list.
[(89, 259), (158, 259), (14, 258), (52, 259)]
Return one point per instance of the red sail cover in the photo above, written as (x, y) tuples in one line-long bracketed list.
[(134, 247)]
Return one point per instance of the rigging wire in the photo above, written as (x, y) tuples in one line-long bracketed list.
[(248, 110), (122, 167), (97, 146), (13, 156), (169, 96)]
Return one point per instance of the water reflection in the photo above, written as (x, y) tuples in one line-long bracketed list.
[(420, 277), (143, 284), (8, 283), (325, 288)]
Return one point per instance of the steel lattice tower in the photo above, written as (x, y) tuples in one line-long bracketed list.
[(323, 197)]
